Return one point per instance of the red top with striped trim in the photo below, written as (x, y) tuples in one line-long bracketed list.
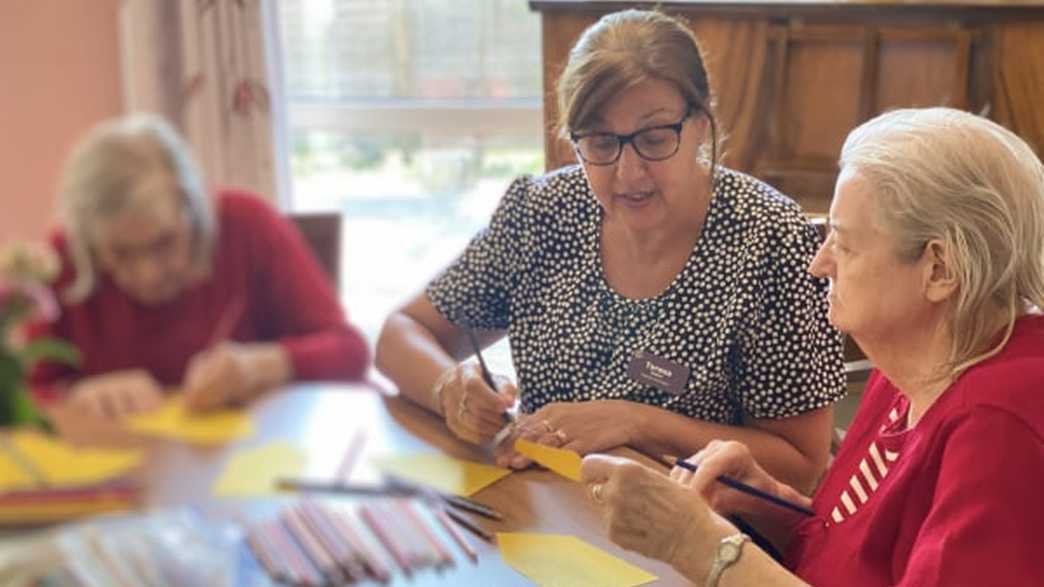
[(953, 501)]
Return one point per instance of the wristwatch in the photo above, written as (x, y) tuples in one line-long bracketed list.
[(729, 550)]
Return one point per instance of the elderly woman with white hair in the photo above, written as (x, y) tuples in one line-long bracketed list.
[(163, 286), (936, 261)]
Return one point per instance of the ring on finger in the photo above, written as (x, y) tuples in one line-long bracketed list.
[(561, 436), (596, 493)]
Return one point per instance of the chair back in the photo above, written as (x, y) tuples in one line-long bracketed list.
[(322, 231)]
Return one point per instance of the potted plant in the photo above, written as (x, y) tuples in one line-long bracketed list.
[(26, 272)]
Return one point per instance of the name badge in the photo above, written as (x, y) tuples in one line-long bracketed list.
[(648, 369)]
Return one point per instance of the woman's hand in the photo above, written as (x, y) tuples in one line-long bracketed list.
[(118, 394), (651, 514), (230, 373), (733, 459), (582, 427), (473, 411)]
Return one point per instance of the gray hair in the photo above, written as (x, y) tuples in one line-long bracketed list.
[(947, 175), (98, 181)]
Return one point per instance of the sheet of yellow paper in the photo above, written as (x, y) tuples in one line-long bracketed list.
[(554, 560), (442, 472), (174, 421), (253, 472), (61, 463), (564, 462), (12, 476)]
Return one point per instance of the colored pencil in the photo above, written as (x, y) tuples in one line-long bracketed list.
[(351, 455), (469, 525), (394, 487), (311, 546), (443, 556), (456, 534), (743, 487), (374, 565), (383, 533), (341, 551)]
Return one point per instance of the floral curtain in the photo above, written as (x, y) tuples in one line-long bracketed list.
[(202, 64)]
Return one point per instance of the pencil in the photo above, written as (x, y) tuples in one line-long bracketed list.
[(443, 555), (743, 487), (309, 543), (384, 535), (342, 552), (507, 416), (351, 455), (469, 525), (275, 567), (363, 553), (311, 486), (394, 488), (455, 533)]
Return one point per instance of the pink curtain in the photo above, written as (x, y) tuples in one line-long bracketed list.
[(202, 65)]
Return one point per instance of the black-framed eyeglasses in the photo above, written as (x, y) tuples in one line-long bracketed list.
[(654, 143)]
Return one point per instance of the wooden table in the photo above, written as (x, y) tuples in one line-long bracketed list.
[(322, 419)]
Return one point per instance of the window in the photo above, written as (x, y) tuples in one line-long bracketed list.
[(410, 117)]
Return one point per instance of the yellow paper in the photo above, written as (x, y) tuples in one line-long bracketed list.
[(61, 463), (174, 421), (12, 476), (253, 472), (442, 472), (564, 462), (554, 560)]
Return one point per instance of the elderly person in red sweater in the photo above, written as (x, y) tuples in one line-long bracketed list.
[(163, 286), (936, 262)]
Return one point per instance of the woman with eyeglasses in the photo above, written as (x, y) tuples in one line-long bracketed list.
[(165, 287), (936, 265), (651, 297)]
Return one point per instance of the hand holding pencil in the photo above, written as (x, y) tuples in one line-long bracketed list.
[(473, 409)]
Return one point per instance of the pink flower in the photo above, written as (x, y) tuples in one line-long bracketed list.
[(30, 261)]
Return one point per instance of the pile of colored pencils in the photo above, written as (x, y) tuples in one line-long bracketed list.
[(314, 544)]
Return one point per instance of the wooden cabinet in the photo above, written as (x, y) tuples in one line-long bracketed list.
[(790, 79)]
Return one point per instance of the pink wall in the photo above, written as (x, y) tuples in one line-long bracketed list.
[(59, 74)]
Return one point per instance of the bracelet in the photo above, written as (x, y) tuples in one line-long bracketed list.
[(437, 387)]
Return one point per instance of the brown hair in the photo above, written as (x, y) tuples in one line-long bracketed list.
[(622, 50)]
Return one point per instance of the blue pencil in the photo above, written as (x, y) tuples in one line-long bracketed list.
[(741, 486)]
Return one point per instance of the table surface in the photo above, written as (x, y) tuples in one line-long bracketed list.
[(322, 419)]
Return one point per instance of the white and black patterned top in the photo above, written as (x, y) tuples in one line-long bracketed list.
[(743, 314)]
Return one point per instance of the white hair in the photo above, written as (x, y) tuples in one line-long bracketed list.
[(947, 175), (98, 181)]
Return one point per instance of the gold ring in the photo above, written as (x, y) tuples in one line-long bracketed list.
[(561, 436), (596, 493)]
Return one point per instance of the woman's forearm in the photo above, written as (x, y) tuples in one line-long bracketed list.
[(663, 432), (411, 356)]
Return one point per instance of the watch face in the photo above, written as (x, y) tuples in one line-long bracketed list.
[(729, 552)]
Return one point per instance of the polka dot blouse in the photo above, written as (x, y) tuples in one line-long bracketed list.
[(743, 314)]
